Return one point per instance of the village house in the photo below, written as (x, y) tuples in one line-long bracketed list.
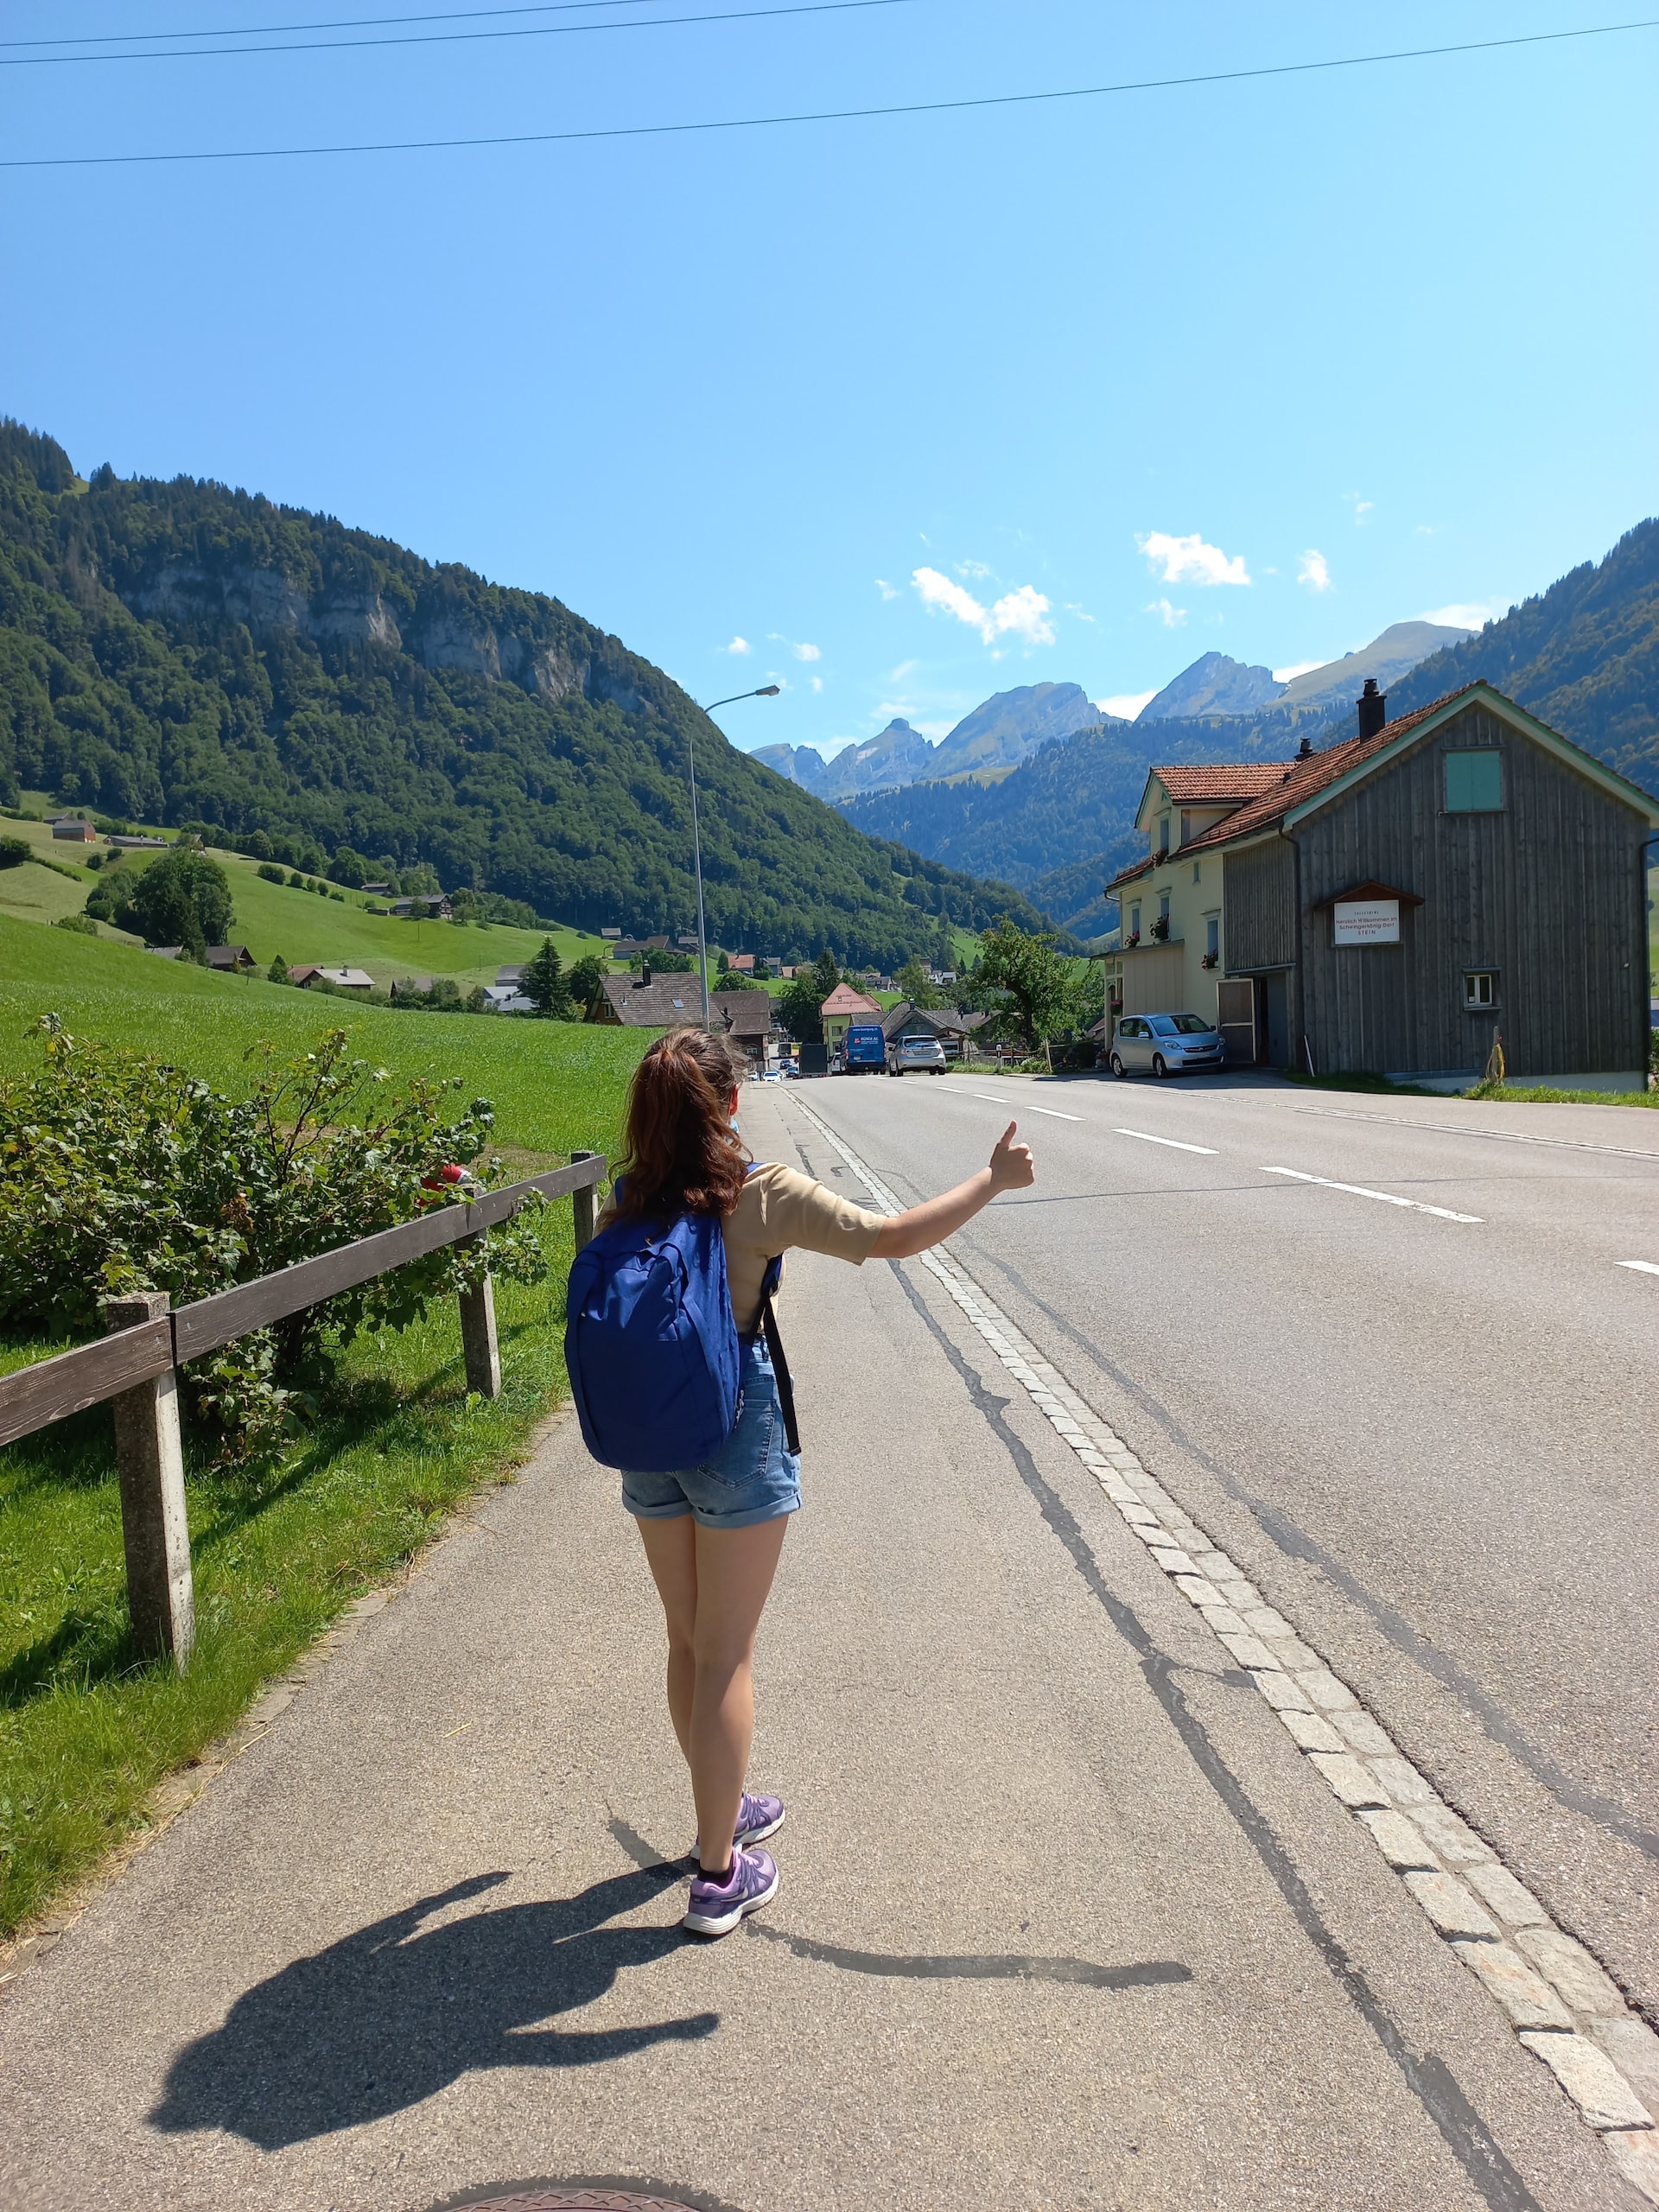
[(844, 1007), (232, 958), (1399, 901), (74, 833), (951, 1029)]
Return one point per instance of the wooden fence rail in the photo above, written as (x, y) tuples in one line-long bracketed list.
[(136, 1366)]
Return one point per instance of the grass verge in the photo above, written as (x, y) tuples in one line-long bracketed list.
[(86, 1727), (1540, 1094)]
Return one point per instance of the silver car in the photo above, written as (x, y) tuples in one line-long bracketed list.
[(1165, 1044)]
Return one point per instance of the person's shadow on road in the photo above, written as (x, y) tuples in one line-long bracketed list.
[(395, 2012)]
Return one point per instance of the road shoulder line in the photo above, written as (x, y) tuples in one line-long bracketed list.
[(1563, 2008)]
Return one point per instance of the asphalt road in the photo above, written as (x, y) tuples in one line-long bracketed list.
[(1068, 1921), (1431, 1439)]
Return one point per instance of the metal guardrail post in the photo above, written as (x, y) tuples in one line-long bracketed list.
[(477, 1338), (581, 1204), (149, 1457)]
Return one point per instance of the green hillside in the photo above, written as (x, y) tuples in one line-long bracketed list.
[(554, 1084), (301, 926), (182, 652)]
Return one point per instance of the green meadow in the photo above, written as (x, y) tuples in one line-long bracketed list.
[(87, 1728), (301, 926)]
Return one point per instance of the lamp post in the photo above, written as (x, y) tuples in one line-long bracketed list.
[(765, 691)]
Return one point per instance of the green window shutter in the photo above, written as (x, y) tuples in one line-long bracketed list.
[(1474, 782)]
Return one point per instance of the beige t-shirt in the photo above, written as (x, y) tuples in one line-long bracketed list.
[(782, 1211)]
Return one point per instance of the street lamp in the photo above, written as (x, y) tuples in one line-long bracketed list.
[(765, 691)]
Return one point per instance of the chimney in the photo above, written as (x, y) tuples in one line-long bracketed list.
[(645, 974), (1305, 750), (1373, 709)]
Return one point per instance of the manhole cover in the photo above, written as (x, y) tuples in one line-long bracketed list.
[(559, 2198)]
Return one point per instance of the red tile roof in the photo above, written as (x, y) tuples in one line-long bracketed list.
[(1270, 789), (1218, 784), (1301, 781), (845, 1000)]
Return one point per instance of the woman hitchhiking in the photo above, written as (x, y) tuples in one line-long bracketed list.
[(713, 1528)]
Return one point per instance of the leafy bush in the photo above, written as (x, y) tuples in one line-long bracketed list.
[(118, 1172), (269, 871), (14, 851), (82, 924)]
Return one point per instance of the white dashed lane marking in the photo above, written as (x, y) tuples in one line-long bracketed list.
[(1641, 1267), (1015, 1108), (1562, 2007), (1174, 1143), (1386, 1198)]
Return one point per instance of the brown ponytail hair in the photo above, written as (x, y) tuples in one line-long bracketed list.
[(682, 1154)]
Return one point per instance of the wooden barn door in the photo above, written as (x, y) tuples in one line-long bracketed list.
[(1237, 1021)]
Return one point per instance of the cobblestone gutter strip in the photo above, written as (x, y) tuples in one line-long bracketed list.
[(1564, 2009)]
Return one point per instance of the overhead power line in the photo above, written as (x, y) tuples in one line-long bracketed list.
[(346, 23), (836, 115), (450, 38)]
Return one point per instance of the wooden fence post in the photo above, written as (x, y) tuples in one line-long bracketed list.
[(149, 1457), (581, 1204), (477, 1338)]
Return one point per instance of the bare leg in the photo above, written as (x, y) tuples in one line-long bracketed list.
[(713, 1602), (671, 1555)]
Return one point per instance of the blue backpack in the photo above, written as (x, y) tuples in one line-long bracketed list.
[(652, 1345)]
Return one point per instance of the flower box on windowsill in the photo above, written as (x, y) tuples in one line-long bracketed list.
[(1132, 938), (1160, 932), (1210, 960)]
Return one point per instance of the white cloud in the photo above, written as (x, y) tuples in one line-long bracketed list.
[(1315, 571), (1470, 615), (806, 653), (1022, 614), (1082, 613), (1172, 616), (818, 683), (1189, 561), (886, 589), (1296, 668), (976, 569), (904, 668), (1126, 705), (1361, 507), (1428, 530), (740, 645)]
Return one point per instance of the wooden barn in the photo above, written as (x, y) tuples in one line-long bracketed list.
[(1399, 901)]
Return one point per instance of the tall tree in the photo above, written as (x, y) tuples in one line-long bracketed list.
[(1035, 976), (546, 982), (181, 897)]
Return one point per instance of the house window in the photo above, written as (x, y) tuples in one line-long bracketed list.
[(1163, 905), (1474, 782), (1480, 990), (1135, 921), (1198, 871), (1212, 935), (1163, 836)]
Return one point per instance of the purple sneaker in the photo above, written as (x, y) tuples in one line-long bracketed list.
[(758, 1817), (716, 1907)]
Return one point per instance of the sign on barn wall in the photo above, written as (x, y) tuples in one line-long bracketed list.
[(1367, 921)]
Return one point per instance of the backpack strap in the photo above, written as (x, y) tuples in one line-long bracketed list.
[(769, 1283), (775, 1347)]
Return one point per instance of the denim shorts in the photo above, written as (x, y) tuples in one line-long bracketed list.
[(754, 1477)]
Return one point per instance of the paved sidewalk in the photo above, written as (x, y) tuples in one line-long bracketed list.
[(1035, 1946)]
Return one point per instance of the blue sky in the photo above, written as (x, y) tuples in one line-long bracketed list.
[(901, 411)]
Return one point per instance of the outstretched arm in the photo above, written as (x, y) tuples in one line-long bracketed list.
[(914, 1230)]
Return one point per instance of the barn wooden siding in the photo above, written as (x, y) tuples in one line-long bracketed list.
[(1258, 905), (1550, 893)]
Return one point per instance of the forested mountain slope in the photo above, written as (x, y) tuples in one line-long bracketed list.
[(182, 652), (1583, 657)]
